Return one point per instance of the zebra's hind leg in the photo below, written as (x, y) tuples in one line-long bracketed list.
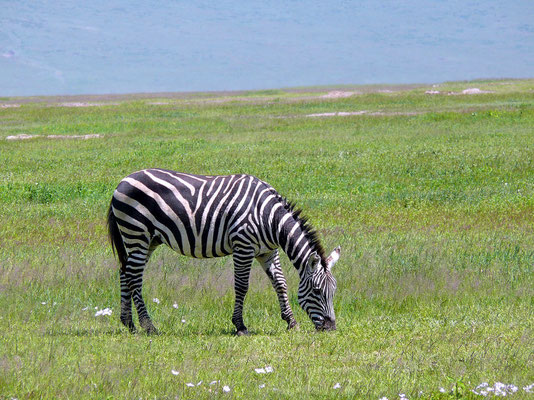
[(135, 266), (270, 263), (242, 262), (126, 303)]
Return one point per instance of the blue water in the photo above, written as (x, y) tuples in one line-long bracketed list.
[(122, 46)]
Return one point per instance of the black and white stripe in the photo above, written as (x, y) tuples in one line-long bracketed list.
[(214, 216)]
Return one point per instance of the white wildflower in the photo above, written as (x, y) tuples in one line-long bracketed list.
[(175, 305), (529, 388), (337, 386), (265, 370), (43, 303), (105, 311), (226, 389), (481, 389), (155, 300), (174, 372), (262, 385), (199, 383), (383, 398), (442, 390), (500, 389), (183, 320), (189, 384)]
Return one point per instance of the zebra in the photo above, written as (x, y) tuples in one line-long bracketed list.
[(206, 216)]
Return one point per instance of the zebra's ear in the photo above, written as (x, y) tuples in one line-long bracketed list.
[(314, 261), (332, 258)]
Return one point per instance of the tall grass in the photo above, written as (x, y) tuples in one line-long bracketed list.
[(431, 199)]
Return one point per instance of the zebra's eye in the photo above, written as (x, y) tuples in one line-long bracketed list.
[(316, 290)]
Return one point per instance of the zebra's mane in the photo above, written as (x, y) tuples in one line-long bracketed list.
[(309, 231)]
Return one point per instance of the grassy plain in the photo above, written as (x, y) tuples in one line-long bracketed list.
[(431, 198)]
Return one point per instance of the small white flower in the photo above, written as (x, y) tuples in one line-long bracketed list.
[(442, 390), (174, 372), (337, 386), (175, 305), (105, 311), (226, 389), (213, 382), (199, 383), (189, 384), (262, 385), (43, 303), (155, 300), (183, 320), (268, 369), (529, 388), (383, 398), (259, 370)]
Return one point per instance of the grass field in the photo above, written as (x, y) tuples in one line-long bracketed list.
[(430, 196)]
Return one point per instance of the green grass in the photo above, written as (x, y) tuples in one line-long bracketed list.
[(431, 198)]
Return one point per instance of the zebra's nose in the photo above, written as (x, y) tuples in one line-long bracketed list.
[(329, 324)]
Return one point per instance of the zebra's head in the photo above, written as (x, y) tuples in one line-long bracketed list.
[(316, 290)]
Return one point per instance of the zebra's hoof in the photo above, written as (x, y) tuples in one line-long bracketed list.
[(242, 332), (293, 326), (152, 331), (128, 323)]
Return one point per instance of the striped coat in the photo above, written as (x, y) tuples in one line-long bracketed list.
[(214, 216)]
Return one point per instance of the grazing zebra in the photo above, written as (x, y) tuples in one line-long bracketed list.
[(214, 216)]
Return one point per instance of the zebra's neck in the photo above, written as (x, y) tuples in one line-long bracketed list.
[(297, 238)]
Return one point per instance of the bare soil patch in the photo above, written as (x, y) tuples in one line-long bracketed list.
[(83, 104), (364, 112), (465, 91), (336, 94), (24, 136)]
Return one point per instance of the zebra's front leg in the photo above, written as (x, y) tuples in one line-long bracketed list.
[(126, 303), (270, 263), (242, 262)]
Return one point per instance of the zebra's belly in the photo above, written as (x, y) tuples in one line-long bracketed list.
[(199, 248)]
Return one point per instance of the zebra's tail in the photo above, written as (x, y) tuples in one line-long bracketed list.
[(117, 245)]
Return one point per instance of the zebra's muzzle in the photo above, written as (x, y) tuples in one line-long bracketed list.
[(326, 325)]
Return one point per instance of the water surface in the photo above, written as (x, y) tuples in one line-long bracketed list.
[(119, 46)]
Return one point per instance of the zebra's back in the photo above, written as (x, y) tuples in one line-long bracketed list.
[(195, 215)]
